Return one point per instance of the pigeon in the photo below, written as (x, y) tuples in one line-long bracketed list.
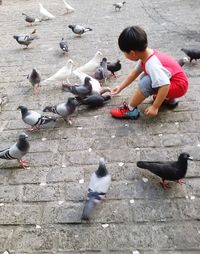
[(168, 170), (29, 19), (64, 45), (94, 101), (79, 90), (17, 151), (34, 119), (68, 7), (25, 39), (118, 6), (90, 67), (193, 54), (79, 30), (102, 71), (34, 78), (61, 74), (113, 67), (63, 109), (45, 13), (96, 87), (182, 61), (97, 189)]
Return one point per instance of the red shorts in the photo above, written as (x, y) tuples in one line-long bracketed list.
[(178, 86)]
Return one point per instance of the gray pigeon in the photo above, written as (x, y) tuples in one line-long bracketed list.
[(182, 61), (34, 119), (118, 6), (94, 101), (34, 78), (25, 39), (102, 71), (79, 90), (99, 183), (63, 109), (79, 30), (29, 19), (64, 45), (113, 67), (168, 170), (17, 151)]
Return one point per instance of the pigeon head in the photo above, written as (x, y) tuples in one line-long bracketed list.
[(71, 26), (104, 59), (123, 2), (106, 97), (184, 156), (87, 80), (98, 55), (23, 109), (71, 100), (185, 59), (101, 171), (15, 37), (23, 136)]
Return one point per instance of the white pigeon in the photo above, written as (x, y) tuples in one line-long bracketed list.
[(62, 74), (46, 13), (68, 7), (96, 87), (90, 67)]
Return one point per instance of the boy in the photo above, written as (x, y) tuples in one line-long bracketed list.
[(162, 76)]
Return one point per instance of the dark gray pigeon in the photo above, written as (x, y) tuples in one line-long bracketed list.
[(34, 78), (94, 101), (118, 6), (193, 54), (64, 45), (82, 90), (25, 39), (114, 67), (168, 170), (29, 19), (63, 109), (99, 184), (102, 71), (17, 151), (34, 119), (79, 30)]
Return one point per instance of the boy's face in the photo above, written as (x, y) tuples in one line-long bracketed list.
[(132, 55)]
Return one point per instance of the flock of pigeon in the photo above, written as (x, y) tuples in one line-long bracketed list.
[(89, 92)]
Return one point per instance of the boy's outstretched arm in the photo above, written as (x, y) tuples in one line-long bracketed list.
[(160, 97), (131, 77)]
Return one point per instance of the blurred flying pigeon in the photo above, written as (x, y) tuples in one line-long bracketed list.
[(34, 119), (99, 184), (118, 6), (79, 30), (193, 54), (34, 78), (68, 7), (168, 170), (182, 61), (79, 90), (29, 19), (62, 74), (25, 39), (113, 67), (96, 87), (94, 101), (90, 67), (63, 109), (102, 71), (17, 151), (45, 13), (64, 45)]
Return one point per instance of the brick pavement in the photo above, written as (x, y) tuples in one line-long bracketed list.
[(40, 208)]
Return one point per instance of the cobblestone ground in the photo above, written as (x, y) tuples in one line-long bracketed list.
[(40, 208)]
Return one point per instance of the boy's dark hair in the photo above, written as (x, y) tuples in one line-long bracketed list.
[(132, 38)]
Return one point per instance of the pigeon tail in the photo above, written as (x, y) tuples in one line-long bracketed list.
[(89, 207), (143, 164)]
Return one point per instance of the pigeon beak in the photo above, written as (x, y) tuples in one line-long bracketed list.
[(190, 158)]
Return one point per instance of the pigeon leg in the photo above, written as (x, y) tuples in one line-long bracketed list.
[(37, 89), (180, 181), (165, 185), (23, 163)]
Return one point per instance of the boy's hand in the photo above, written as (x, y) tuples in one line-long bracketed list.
[(115, 90), (151, 111)]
